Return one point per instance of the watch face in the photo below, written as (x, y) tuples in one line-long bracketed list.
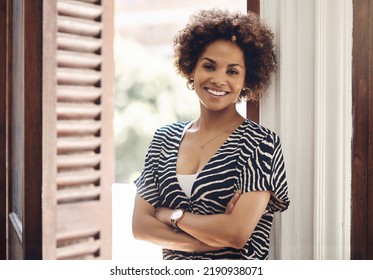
[(177, 214)]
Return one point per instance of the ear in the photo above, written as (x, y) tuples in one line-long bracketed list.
[(191, 76)]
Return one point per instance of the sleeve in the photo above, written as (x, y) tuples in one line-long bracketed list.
[(146, 184), (266, 171)]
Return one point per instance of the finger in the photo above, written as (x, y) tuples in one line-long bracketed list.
[(235, 197), (229, 209), (233, 202)]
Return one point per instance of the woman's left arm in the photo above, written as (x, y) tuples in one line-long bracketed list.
[(223, 230)]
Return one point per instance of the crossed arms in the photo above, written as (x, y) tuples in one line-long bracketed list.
[(201, 233)]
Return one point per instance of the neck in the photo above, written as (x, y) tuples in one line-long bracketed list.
[(212, 121)]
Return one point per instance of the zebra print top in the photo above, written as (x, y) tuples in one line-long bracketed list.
[(249, 160)]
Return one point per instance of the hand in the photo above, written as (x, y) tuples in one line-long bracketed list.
[(232, 202), (163, 215)]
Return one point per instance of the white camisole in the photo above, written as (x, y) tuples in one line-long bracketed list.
[(186, 181)]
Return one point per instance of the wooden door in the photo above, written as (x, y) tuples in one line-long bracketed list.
[(362, 148), (252, 108), (56, 129), (3, 128), (24, 130), (21, 129)]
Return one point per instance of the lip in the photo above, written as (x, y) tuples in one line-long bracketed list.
[(216, 92)]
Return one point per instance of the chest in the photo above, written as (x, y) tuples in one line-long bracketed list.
[(192, 158), (215, 184)]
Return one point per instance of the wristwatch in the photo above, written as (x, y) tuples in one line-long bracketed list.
[(176, 216)]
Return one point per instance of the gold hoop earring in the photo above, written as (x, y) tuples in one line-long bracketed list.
[(190, 84), (246, 95)]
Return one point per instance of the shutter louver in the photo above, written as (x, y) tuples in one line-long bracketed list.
[(79, 110)]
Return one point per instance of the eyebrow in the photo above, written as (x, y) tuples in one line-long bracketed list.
[(214, 62)]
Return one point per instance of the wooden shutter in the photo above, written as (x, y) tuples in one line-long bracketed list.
[(84, 148)]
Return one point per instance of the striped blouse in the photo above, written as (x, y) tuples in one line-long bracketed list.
[(249, 160)]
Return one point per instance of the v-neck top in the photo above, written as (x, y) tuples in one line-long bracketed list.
[(249, 160), (186, 181)]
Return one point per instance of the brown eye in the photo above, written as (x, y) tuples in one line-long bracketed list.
[(233, 72), (208, 67)]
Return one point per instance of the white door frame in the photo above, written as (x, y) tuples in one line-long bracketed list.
[(309, 105)]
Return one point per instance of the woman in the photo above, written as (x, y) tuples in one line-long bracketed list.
[(209, 187)]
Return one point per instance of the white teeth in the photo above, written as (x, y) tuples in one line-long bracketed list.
[(215, 92)]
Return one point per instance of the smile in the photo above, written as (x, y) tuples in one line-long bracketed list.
[(216, 92)]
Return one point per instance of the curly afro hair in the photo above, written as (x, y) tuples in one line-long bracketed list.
[(253, 37)]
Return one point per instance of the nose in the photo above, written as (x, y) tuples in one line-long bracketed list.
[(218, 79)]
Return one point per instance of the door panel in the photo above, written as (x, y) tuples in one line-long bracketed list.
[(57, 136), (24, 142), (362, 146), (3, 129), (252, 107), (15, 245), (16, 140)]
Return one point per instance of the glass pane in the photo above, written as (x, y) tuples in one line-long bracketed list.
[(17, 124)]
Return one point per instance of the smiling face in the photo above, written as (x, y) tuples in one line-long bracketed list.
[(219, 75)]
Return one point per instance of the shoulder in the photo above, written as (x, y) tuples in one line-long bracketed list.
[(257, 134), (165, 137), (173, 128), (170, 131)]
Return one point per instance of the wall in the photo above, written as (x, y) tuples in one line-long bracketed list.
[(309, 106)]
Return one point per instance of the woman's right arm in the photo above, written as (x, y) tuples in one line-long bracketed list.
[(147, 228)]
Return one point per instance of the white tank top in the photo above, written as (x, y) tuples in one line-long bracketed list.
[(186, 181)]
